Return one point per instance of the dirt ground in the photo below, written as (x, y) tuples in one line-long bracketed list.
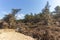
[(10, 34)]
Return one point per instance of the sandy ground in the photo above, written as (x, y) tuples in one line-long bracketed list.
[(12, 35)]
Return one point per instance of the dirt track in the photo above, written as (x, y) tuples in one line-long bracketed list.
[(12, 35)]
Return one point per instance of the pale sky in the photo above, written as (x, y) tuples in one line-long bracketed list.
[(27, 6)]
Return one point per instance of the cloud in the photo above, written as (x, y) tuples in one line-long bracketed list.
[(4, 12), (20, 16), (54, 3)]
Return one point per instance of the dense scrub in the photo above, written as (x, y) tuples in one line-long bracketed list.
[(42, 26)]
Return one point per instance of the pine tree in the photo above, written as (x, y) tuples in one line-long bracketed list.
[(47, 14), (29, 18), (10, 18), (57, 11)]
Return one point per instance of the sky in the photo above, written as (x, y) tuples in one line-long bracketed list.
[(26, 6)]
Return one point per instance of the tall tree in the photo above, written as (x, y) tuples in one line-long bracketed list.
[(57, 11), (46, 14), (15, 11), (10, 18), (29, 18)]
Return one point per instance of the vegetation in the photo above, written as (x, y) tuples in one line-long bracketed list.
[(37, 26)]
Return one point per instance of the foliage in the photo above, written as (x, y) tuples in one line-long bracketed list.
[(10, 18), (33, 24)]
